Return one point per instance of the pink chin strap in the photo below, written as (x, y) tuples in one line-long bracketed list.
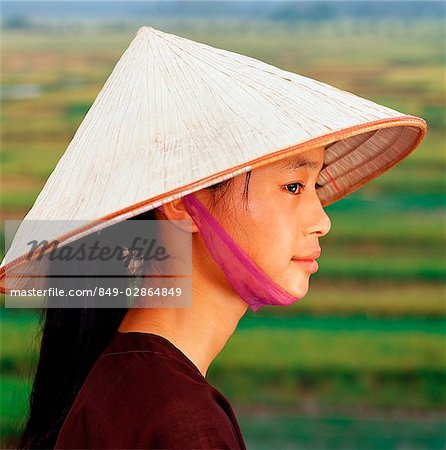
[(253, 285)]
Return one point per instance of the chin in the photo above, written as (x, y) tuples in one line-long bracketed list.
[(296, 284), (299, 293), (299, 284), (300, 288)]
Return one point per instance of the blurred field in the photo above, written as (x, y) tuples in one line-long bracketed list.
[(370, 335)]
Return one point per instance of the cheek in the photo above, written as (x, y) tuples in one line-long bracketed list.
[(264, 229), (271, 243)]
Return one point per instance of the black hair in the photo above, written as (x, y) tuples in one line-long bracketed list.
[(72, 340)]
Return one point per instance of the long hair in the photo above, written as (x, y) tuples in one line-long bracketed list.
[(71, 341), (72, 338)]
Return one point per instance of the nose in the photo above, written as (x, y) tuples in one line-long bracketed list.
[(318, 220)]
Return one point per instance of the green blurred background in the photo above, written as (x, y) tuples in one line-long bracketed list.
[(360, 361)]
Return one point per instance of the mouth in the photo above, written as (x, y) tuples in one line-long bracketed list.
[(309, 264), (314, 255)]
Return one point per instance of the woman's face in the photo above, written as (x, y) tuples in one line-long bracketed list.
[(281, 220)]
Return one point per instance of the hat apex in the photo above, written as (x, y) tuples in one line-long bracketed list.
[(146, 30)]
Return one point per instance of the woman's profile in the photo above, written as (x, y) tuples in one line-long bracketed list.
[(247, 156)]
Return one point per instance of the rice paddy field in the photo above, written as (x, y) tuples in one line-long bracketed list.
[(360, 361)]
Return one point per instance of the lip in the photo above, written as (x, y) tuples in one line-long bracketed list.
[(309, 261), (313, 255), (309, 264)]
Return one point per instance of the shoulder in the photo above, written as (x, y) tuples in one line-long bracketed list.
[(194, 421), (146, 399)]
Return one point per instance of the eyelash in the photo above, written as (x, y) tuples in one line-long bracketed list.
[(301, 185)]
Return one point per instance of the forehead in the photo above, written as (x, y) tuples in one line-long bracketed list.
[(312, 159)]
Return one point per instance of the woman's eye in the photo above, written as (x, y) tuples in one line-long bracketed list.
[(296, 188)]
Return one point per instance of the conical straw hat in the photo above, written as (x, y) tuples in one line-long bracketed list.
[(176, 116)]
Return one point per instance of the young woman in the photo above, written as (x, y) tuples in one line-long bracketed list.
[(148, 389), (250, 154)]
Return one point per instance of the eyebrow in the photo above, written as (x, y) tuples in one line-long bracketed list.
[(298, 162)]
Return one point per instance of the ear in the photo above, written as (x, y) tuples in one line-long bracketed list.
[(175, 210)]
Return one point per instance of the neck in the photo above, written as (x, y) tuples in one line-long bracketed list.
[(200, 331)]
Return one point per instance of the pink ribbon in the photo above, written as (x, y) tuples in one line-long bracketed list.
[(253, 285)]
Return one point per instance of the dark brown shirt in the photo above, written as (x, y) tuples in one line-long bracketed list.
[(145, 393)]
